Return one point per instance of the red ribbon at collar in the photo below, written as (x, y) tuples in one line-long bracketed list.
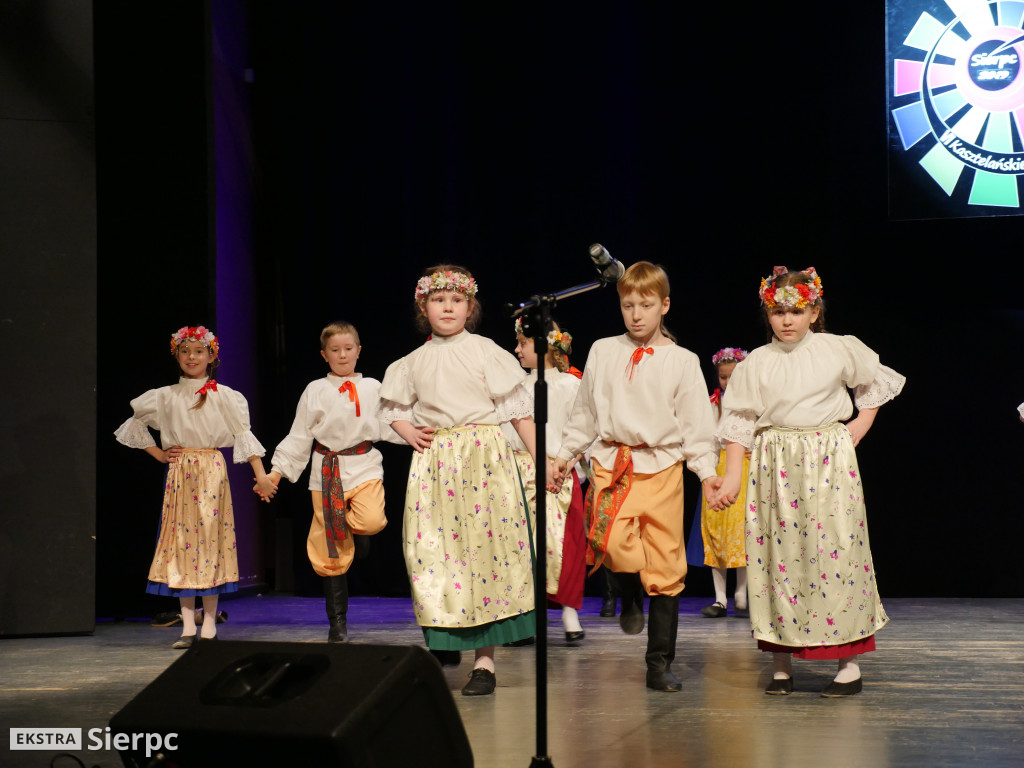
[(637, 356), (210, 386), (575, 371), (716, 396), (353, 395)]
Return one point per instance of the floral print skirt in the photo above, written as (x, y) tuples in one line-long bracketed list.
[(196, 553), (556, 507), (466, 538), (811, 581)]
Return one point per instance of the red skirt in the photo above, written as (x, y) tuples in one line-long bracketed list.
[(574, 552), (843, 651)]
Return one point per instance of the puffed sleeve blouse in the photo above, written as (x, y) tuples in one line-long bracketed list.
[(562, 389), (223, 421), (803, 384), (453, 380)]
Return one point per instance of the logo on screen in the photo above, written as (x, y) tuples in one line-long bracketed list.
[(963, 98)]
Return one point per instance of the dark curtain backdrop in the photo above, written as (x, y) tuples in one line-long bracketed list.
[(715, 140)]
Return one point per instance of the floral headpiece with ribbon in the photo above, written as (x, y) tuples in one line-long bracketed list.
[(560, 340), (729, 355), (447, 280), (200, 333), (798, 296)]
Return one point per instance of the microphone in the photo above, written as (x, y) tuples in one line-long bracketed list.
[(608, 268)]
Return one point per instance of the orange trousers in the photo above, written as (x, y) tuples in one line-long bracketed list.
[(646, 536), (365, 516)]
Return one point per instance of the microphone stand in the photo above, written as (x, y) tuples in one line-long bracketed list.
[(536, 315)]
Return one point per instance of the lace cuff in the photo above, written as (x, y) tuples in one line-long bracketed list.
[(135, 434), (246, 445), (1020, 410), (737, 427), (517, 404), (396, 412), (887, 385)]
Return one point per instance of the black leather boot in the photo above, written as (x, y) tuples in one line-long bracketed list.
[(662, 625), (628, 587), (608, 604), (336, 593)]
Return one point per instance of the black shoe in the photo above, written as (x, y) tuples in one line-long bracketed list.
[(740, 612), (607, 607), (166, 619), (222, 617), (183, 642), (520, 643), (481, 683), (575, 637), (663, 680), (835, 690), (447, 658), (716, 611), (780, 686)]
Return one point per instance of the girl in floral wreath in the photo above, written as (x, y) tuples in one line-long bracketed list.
[(812, 587), (565, 542), (337, 418), (195, 551), (644, 400), (721, 530), (466, 529)]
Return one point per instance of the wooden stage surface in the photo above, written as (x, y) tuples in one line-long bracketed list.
[(945, 688)]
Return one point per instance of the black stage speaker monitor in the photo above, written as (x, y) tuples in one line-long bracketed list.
[(294, 704)]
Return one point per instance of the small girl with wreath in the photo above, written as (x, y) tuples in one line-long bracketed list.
[(196, 552), (721, 530)]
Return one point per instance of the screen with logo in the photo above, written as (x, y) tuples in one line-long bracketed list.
[(955, 108)]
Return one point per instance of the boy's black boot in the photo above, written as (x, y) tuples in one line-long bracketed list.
[(662, 625), (336, 594)]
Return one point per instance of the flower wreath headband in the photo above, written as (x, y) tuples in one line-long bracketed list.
[(798, 296), (446, 281), (201, 334), (729, 355), (560, 340)]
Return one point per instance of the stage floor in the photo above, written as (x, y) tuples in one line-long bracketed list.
[(945, 688)]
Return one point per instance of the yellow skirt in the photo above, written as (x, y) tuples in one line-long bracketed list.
[(722, 529), (465, 531), (555, 510), (196, 548)]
